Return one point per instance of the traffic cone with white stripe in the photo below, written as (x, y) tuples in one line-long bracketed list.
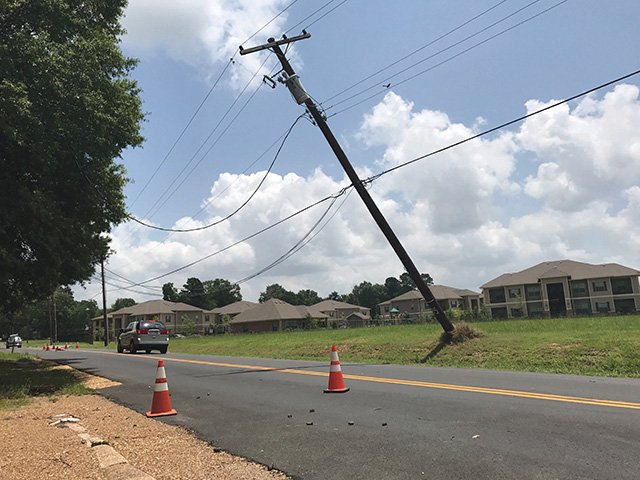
[(161, 403), (336, 382)]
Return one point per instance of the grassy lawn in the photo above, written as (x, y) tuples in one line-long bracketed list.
[(23, 377), (608, 346)]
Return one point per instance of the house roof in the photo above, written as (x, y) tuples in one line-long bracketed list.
[(357, 315), (329, 305), (153, 307), (440, 292), (276, 309), (235, 308), (561, 268)]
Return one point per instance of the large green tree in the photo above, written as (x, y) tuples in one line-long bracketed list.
[(68, 109), (276, 290), (221, 292)]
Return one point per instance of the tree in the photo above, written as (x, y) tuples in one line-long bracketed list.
[(169, 293), (408, 284), (393, 287), (193, 293), (221, 292), (367, 295), (335, 296), (122, 303), (278, 291), (68, 108), (307, 297)]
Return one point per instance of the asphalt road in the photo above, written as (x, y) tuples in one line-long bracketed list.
[(397, 422)]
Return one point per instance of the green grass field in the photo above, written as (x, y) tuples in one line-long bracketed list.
[(608, 346), (23, 377)]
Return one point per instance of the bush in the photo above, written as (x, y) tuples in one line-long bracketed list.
[(462, 333)]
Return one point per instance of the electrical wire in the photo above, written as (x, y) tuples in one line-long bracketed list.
[(270, 21), (305, 240), (502, 32), (248, 237), (157, 205), (325, 14), (193, 116), (419, 49), (227, 217), (385, 172), (502, 126), (309, 16)]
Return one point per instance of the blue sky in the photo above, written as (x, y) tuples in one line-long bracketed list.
[(565, 184)]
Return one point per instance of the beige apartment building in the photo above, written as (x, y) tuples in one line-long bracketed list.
[(563, 287), (411, 303)]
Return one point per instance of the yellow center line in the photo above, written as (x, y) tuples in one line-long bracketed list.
[(412, 383)]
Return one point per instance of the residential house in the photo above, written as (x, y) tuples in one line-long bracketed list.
[(231, 310), (563, 287), (412, 305), (344, 313), (172, 314), (275, 315)]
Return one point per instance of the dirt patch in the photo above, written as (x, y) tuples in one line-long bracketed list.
[(31, 448)]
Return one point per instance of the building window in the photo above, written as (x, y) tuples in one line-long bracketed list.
[(499, 312), (602, 307), (582, 307), (621, 285), (386, 308), (167, 318), (496, 295), (599, 286), (533, 292), (206, 318), (579, 288), (516, 312), (515, 292), (535, 309), (626, 305)]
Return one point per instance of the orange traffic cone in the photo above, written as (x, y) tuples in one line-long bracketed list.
[(336, 382), (77, 345), (161, 403), (66, 346), (48, 348)]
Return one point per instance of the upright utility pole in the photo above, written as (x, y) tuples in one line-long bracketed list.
[(292, 81), (104, 307)]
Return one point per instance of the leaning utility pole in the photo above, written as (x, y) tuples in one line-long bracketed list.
[(104, 306), (292, 81)]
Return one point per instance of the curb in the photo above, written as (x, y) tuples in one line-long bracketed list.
[(113, 465)]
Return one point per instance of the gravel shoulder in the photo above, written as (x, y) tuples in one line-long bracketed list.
[(31, 448)]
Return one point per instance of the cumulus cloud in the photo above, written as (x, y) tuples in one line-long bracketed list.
[(586, 154), (202, 32), (454, 212)]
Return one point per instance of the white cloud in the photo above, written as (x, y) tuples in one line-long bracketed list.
[(587, 154), (453, 212), (202, 32)]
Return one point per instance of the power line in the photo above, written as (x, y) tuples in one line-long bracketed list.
[(305, 240), (415, 51), (436, 65), (325, 14), (270, 21), (193, 116), (503, 125), (309, 16), (167, 197), (385, 172), (248, 237), (217, 222)]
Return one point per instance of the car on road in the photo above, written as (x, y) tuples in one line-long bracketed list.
[(144, 335), (14, 341)]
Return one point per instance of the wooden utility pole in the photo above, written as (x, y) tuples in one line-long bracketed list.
[(104, 307), (292, 81)]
